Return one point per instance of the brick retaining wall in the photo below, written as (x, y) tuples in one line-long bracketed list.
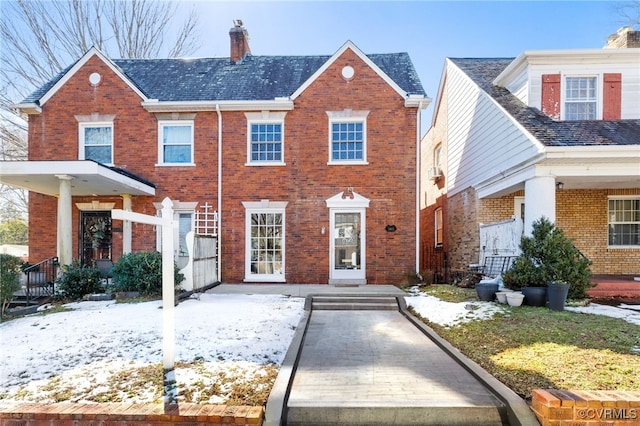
[(128, 414), (586, 408)]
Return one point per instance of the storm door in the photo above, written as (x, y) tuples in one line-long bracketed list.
[(347, 249), (95, 236)]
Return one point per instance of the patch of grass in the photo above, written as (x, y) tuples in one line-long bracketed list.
[(538, 348), (451, 293)]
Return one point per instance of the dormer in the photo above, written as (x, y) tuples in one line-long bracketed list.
[(587, 84)]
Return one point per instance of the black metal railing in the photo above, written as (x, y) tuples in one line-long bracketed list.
[(40, 279)]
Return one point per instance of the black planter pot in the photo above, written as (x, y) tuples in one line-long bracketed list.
[(535, 296), (486, 292), (557, 296)]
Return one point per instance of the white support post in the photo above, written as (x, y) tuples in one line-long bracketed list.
[(168, 296), (64, 249), (539, 200), (126, 225), (168, 288)]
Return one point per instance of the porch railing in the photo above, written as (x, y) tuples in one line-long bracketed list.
[(40, 279)]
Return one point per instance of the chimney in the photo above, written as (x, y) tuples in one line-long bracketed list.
[(239, 41), (624, 38)]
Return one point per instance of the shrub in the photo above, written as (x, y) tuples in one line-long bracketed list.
[(548, 255), (78, 280), (9, 280), (142, 272)]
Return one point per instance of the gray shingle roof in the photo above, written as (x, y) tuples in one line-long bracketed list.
[(549, 132), (253, 78)]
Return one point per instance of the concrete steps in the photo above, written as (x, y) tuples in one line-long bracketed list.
[(354, 303)]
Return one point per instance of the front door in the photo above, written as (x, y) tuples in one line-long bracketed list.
[(347, 247), (95, 236)]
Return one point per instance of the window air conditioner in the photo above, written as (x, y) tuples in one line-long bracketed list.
[(434, 173)]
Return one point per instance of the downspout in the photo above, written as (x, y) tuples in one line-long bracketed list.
[(418, 171), (219, 191)]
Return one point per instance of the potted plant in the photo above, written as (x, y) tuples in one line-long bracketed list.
[(558, 291), (547, 256)]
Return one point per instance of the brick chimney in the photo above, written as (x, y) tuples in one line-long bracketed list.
[(239, 41), (624, 38)]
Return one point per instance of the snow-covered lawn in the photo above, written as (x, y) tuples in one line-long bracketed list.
[(77, 355), (227, 346)]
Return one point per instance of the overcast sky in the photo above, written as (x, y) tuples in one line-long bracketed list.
[(429, 31)]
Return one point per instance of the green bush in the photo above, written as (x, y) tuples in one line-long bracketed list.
[(548, 255), (9, 280), (142, 272), (78, 280)]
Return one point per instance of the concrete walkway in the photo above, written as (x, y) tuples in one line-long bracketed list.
[(363, 366)]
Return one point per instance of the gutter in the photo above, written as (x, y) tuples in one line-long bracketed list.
[(418, 172), (219, 191)]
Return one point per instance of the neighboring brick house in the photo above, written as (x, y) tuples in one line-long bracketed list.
[(549, 133), (310, 161)]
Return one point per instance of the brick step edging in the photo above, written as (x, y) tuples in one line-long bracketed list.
[(557, 407), (128, 413)]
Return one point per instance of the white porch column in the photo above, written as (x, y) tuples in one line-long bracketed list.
[(126, 225), (539, 200), (65, 243)]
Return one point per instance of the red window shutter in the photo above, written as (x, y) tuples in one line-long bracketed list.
[(551, 95), (612, 97)]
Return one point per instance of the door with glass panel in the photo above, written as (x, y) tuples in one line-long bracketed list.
[(266, 242), (347, 247)]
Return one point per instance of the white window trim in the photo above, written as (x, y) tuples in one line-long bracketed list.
[(265, 117), (599, 94), (81, 134), (161, 124), (264, 206), (438, 224), (619, 197), (348, 116)]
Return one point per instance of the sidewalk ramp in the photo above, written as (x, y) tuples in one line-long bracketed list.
[(361, 362)]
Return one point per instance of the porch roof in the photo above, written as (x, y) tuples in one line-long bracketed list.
[(88, 178)]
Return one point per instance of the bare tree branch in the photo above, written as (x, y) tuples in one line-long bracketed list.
[(39, 38)]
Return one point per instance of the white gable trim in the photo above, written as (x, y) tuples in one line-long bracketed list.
[(539, 145), (81, 62), (349, 45)]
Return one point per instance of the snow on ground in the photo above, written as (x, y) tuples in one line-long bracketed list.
[(450, 313), (47, 357), (85, 345), (629, 313)]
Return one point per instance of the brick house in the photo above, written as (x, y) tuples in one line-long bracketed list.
[(549, 133), (309, 161)]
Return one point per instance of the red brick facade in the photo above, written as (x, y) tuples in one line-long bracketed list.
[(305, 182)]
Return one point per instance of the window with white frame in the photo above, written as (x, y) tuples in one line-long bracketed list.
[(624, 222), (348, 137), (265, 226), (438, 227), (175, 142), (437, 156), (96, 142), (580, 98), (265, 145)]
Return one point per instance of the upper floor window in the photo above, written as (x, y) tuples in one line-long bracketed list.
[(96, 142), (581, 102), (175, 146), (437, 156), (624, 222), (265, 143), (348, 137)]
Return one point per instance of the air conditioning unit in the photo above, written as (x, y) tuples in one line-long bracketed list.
[(434, 173)]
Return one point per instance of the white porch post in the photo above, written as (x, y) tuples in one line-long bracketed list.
[(126, 225), (64, 249), (539, 200)]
